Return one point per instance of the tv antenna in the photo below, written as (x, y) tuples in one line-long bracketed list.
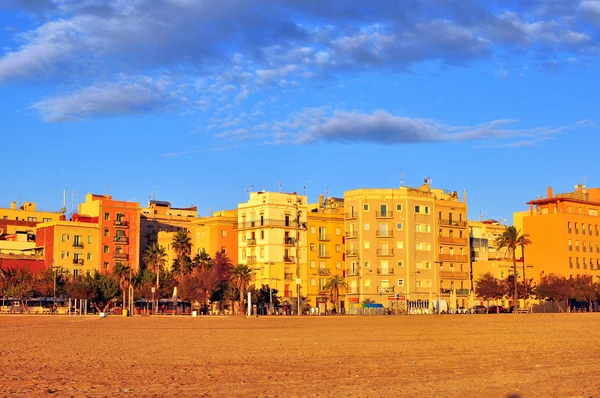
[(280, 185), (401, 176)]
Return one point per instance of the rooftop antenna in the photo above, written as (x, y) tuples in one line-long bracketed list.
[(280, 185), (305, 187), (73, 202), (107, 190), (480, 215), (154, 194), (401, 176), (326, 192)]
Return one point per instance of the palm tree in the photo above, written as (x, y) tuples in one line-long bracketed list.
[(202, 261), (334, 285), (523, 241), (509, 240), (182, 244), (155, 258), (241, 275), (123, 273)]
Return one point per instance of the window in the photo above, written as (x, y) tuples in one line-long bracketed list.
[(322, 250), (89, 240), (576, 245), (400, 282), (313, 264), (106, 216), (313, 282), (338, 265), (105, 265), (243, 253), (570, 245), (75, 272), (89, 256), (400, 244), (338, 248), (46, 219), (367, 283), (428, 265), (367, 264), (262, 251), (418, 227), (399, 226), (34, 219), (262, 235), (400, 264), (417, 209), (312, 229), (105, 249), (322, 233), (63, 255), (383, 210), (426, 209), (64, 237), (106, 232), (223, 233), (366, 226), (366, 207), (398, 207), (441, 250), (338, 231), (367, 244), (312, 247)]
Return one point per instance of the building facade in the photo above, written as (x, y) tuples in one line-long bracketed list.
[(405, 245), (216, 233)]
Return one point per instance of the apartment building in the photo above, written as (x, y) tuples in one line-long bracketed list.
[(272, 241), (405, 244), (28, 212), (326, 249), (119, 223), (565, 234), (216, 233), (485, 257)]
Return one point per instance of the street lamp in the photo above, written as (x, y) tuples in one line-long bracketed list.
[(55, 269), (298, 228), (270, 264)]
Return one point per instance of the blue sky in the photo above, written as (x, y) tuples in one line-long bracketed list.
[(200, 100)]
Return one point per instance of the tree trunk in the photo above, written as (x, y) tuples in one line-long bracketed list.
[(242, 302), (523, 255), (516, 295)]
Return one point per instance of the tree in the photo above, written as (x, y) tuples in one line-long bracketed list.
[(523, 241), (509, 240), (583, 289), (262, 297), (122, 273), (100, 289), (182, 245), (20, 283), (334, 285), (555, 288), (155, 258), (241, 275), (489, 288)]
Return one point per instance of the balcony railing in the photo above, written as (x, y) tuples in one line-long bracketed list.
[(289, 241), (121, 223), (324, 237), (385, 252), (350, 271), (324, 272), (78, 245), (385, 271), (352, 252), (324, 255), (78, 261), (251, 259), (456, 241), (288, 276), (352, 234), (452, 223), (120, 256), (384, 214), (351, 215), (387, 289), (384, 233), (266, 223), (462, 292), (251, 242), (121, 239), (454, 257), (289, 259), (454, 275)]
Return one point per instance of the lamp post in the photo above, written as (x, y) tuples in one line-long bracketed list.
[(55, 269), (298, 228), (270, 264)]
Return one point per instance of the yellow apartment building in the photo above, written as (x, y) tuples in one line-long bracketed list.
[(216, 233), (165, 240), (565, 233), (406, 244), (326, 250), (160, 216), (73, 245), (28, 212), (272, 241)]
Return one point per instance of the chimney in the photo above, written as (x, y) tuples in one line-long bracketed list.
[(549, 192), (13, 205), (321, 200)]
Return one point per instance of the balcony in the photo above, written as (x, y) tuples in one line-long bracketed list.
[(352, 253), (78, 261), (289, 241), (452, 223), (351, 290), (385, 271), (289, 259), (288, 276), (452, 240), (384, 233), (266, 223), (351, 215), (385, 252), (454, 257), (120, 256), (352, 234), (122, 240), (324, 238), (78, 245), (351, 272), (454, 275), (324, 255), (121, 223), (251, 259), (386, 289), (384, 214), (462, 292), (251, 242), (288, 293), (324, 272)]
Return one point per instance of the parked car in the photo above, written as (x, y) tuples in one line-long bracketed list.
[(462, 310), (496, 309), (478, 309)]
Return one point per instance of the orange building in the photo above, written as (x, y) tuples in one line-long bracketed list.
[(564, 231), (216, 233), (119, 223)]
